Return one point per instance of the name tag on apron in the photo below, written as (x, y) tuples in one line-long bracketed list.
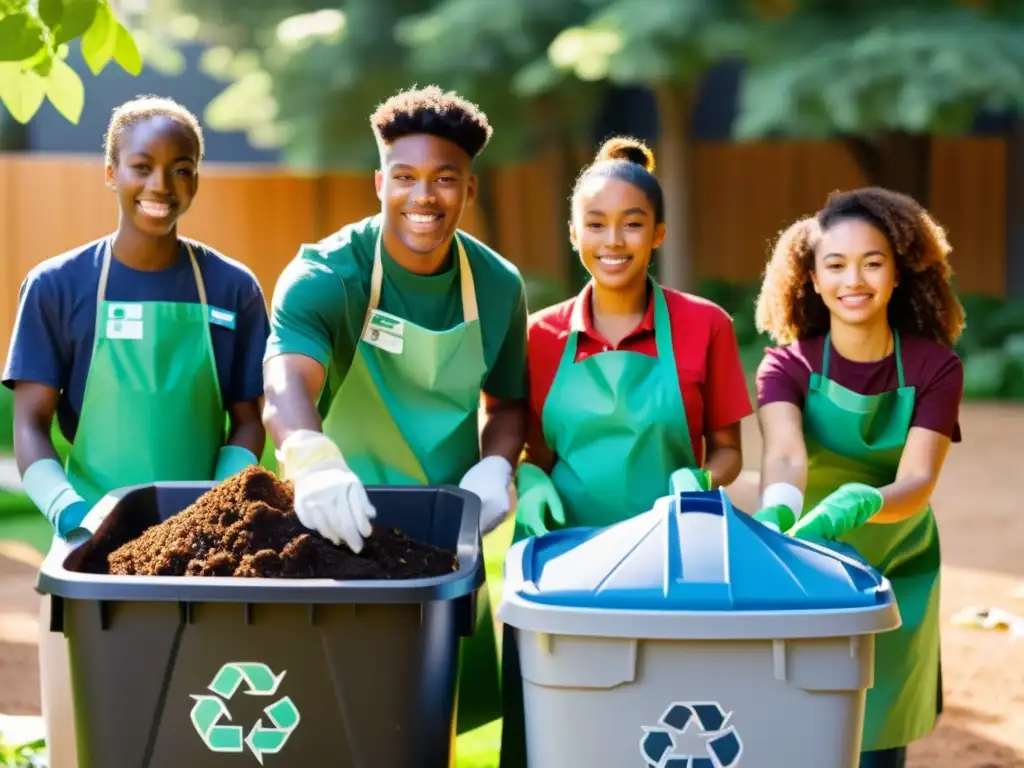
[(385, 332), (124, 321), (222, 317)]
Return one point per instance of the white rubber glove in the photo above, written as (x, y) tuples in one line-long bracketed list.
[(489, 479), (329, 497)]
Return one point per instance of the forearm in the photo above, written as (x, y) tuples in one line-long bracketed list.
[(724, 464), (284, 415), (247, 430), (291, 383), (32, 442), (904, 498), (504, 429), (791, 470), (42, 476)]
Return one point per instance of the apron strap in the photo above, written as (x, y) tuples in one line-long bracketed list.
[(101, 289), (662, 326), (200, 285), (899, 357), (896, 349), (470, 310)]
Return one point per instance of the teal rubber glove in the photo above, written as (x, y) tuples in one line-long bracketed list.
[(689, 480), (46, 483), (231, 460), (778, 516), (70, 520), (845, 509)]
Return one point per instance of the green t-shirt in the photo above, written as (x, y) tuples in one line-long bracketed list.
[(322, 296)]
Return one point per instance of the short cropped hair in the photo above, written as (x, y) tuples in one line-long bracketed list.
[(430, 110), (142, 109)]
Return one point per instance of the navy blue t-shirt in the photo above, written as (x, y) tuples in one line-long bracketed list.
[(55, 327)]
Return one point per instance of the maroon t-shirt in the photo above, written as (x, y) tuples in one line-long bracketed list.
[(934, 370)]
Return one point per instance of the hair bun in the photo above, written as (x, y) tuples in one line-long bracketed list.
[(629, 149)]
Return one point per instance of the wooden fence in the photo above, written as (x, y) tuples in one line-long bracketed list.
[(744, 195)]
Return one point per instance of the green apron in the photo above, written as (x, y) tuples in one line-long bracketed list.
[(406, 413), (152, 408), (860, 438), (617, 425)]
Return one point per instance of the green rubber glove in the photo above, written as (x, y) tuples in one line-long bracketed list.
[(688, 480), (845, 509), (778, 516), (539, 509), (231, 460)]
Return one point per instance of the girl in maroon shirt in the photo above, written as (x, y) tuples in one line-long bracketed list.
[(858, 408)]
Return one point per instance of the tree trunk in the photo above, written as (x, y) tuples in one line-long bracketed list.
[(896, 160), (1014, 208), (675, 169)]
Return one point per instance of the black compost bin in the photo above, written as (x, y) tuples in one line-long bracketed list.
[(169, 672)]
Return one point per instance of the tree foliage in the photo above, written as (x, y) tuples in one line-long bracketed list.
[(34, 39), (894, 66), (305, 78)]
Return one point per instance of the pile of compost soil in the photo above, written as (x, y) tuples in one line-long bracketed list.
[(247, 527)]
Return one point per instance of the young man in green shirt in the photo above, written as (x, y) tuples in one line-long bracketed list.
[(385, 335)]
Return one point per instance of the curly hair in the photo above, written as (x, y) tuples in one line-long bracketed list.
[(923, 302), (433, 111), (142, 109)]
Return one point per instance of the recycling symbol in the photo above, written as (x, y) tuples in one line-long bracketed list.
[(668, 745), (208, 712)]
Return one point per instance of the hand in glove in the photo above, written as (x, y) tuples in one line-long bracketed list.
[(539, 509), (779, 516), (781, 506), (689, 479), (329, 497), (489, 479), (46, 483), (847, 508), (231, 460)]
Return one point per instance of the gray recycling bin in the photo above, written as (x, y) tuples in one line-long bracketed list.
[(693, 636), (212, 672)]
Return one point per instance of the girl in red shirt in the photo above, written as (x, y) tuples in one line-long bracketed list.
[(858, 410), (630, 382)]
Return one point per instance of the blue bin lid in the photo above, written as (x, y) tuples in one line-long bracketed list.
[(693, 552)]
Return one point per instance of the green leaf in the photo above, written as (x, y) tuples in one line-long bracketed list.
[(77, 18), (41, 63), (126, 52), (21, 37), (65, 91), (50, 11), (100, 40), (22, 92)]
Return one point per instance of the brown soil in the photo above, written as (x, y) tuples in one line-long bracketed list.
[(247, 527)]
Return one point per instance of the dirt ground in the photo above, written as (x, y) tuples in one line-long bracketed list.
[(982, 530)]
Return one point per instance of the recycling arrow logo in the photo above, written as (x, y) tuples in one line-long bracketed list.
[(661, 745), (210, 712)]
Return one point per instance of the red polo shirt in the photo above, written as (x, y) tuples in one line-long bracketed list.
[(707, 358)]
